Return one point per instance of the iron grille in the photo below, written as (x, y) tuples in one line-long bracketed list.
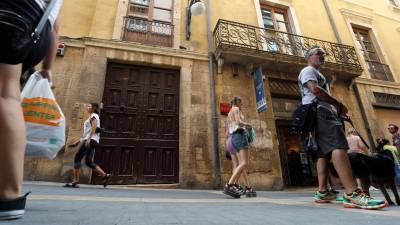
[(284, 88), (387, 100), (148, 32), (229, 34), (380, 71)]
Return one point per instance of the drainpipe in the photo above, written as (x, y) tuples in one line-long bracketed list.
[(364, 116), (214, 122), (332, 22), (356, 91)]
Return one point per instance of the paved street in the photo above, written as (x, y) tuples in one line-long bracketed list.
[(51, 204)]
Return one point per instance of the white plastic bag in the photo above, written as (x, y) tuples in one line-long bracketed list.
[(44, 120)]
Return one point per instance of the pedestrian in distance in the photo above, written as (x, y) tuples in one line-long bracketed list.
[(235, 158), (329, 135), (356, 146), (355, 143), (28, 36), (88, 143), (238, 129), (394, 130)]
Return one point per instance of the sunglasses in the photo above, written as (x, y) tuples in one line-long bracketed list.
[(320, 53)]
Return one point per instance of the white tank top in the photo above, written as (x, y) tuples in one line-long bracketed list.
[(234, 125), (87, 127)]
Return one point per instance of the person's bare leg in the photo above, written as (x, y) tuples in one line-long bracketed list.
[(243, 175), (13, 136), (77, 174), (342, 165), (100, 171), (322, 173), (235, 163), (242, 165)]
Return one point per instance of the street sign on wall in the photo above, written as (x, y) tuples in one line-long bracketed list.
[(259, 89)]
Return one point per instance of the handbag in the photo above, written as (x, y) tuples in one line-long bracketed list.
[(304, 117), (21, 37)]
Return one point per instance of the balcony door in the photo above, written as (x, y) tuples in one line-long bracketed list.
[(149, 22), (276, 35), (376, 67)]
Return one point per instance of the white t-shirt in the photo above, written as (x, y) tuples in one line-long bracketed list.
[(54, 12), (310, 73), (87, 126)]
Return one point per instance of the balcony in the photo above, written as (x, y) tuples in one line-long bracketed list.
[(379, 71), (280, 51), (148, 32)]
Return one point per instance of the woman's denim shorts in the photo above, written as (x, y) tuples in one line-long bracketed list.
[(240, 139)]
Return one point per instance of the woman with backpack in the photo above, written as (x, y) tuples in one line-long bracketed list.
[(89, 142), (28, 35)]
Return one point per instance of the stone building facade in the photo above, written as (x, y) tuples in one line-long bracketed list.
[(155, 85)]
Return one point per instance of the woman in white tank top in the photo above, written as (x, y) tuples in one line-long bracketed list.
[(237, 130), (88, 143)]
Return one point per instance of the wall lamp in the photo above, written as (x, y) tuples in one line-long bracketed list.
[(195, 7)]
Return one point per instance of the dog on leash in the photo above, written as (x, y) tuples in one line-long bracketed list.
[(376, 170)]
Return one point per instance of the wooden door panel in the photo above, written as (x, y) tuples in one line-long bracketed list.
[(141, 120), (126, 161), (153, 101), (136, 77), (133, 100), (167, 161), (150, 161), (160, 161), (169, 103)]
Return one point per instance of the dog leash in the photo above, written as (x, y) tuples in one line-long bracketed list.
[(351, 123)]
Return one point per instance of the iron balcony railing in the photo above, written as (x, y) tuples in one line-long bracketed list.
[(228, 34), (148, 32), (379, 71)]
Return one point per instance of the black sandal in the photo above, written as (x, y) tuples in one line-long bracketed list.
[(106, 179), (72, 185)]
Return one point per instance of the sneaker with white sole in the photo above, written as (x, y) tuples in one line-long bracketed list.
[(359, 199), (11, 209), (325, 197)]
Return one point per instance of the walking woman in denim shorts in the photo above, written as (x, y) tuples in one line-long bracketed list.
[(237, 128), (18, 53)]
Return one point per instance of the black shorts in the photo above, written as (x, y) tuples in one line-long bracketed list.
[(329, 132), (30, 12)]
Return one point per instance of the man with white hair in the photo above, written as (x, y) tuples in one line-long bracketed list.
[(329, 135)]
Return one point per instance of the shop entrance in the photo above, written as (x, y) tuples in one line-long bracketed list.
[(298, 167)]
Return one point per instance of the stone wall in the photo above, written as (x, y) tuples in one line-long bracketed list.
[(367, 89), (265, 169), (79, 78)]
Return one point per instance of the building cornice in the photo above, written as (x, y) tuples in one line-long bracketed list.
[(378, 83), (132, 47), (357, 15)]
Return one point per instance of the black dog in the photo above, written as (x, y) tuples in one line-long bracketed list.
[(377, 170)]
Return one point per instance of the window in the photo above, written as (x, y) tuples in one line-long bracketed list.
[(152, 10), (278, 20), (152, 17), (375, 64)]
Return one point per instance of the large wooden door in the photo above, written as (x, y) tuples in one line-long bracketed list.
[(140, 116)]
